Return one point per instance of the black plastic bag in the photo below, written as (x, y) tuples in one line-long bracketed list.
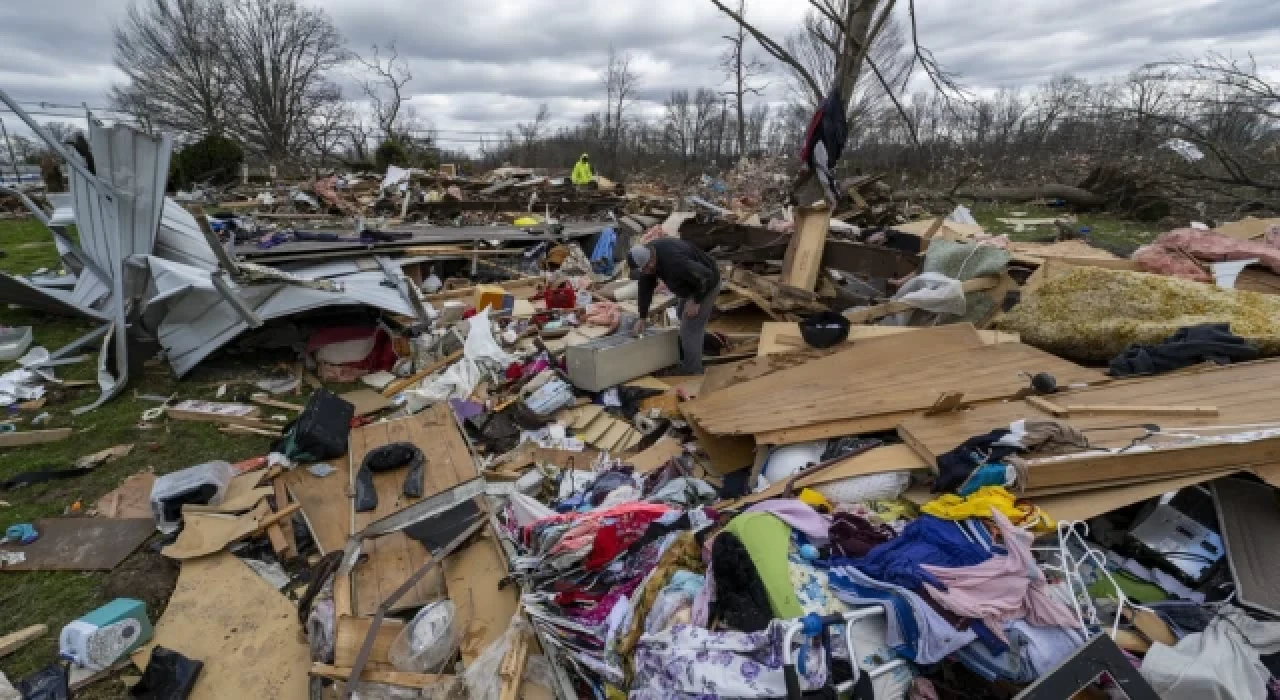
[(49, 683), (169, 676), (385, 459)]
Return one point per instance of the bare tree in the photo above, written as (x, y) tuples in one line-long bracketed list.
[(741, 72), (326, 129), (531, 133), (178, 76), (358, 135), (621, 84), (280, 53), (678, 125), (385, 89)]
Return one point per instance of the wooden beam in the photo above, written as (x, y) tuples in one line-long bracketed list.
[(266, 400), (33, 437), (16, 640), (803, 261), (1047, 406), (401, 384), (286, 527), (278, 516)]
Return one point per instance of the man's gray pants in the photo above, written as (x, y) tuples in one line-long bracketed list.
[(693, 331)]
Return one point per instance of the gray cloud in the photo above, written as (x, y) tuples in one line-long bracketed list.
[(484, 68)]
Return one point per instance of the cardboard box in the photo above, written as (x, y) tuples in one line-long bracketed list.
[(614, 359)]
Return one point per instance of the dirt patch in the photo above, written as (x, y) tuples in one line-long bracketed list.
[(147, 576)]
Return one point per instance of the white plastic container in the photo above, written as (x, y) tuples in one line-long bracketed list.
[(14, 342), (215, 474)]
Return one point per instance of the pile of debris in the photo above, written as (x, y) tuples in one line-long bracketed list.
[(903, 473)]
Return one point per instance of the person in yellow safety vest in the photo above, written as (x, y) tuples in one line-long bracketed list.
[(582, 174)]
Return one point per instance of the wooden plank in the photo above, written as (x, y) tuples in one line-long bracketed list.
[(23, 438), (802, 262), (16, 640), (266, 400), (1078, 409), (1089, 468), (401, 384), (879, 311), (483, 611), (775, 337), (947, 402), (400, 679), (1047, 406), (662, 451), (835, 428), (325, 505), (80, 544), (1088, 504), (349, 635), (201, 417)]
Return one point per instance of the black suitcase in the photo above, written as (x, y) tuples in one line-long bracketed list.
[(320, 432)]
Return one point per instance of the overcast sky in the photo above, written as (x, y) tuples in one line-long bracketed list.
[(482, 67)]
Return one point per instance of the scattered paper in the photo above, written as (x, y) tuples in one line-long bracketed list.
[(222, 391), (102, 457), (321, 470), (11, 558)]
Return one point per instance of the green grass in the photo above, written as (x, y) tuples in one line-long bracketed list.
[(1117, 235), (55, 598)]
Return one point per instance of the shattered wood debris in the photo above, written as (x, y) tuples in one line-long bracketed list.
[(884, 407)]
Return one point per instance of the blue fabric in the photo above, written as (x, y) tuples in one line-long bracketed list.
[(988, 638), (602, 255), (926, 540), (853, 593), (916, 631), (991, 474)]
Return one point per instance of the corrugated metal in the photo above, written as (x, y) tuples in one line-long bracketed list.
[(15, 290), (136, 166), (181, 240), (198, 321)]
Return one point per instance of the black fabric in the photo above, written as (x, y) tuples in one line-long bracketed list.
[(1210, 342), (606, 483), (200, 495), (686, 270), (437, 531), (825, 330), (735, 484), (320, 432), (169, 676), (49, 683), (384, 459), (27, 478), (955, 466), (741, 601)]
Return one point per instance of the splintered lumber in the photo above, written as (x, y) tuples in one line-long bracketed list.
[(401, 384), (879, 377), (802, 263), (16, 640), (871, 313)]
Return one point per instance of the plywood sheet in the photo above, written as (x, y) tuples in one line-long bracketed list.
[(349, 635), (131, 499), (207, 533), (1243, 393), (245, 632), (393, 558), (243, 493), (876, 377), (656, 456), (366, 401), (325, 504), (484, 611), (81, 544)]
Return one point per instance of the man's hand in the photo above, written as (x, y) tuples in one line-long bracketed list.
[(691, 309), (639, 327)]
